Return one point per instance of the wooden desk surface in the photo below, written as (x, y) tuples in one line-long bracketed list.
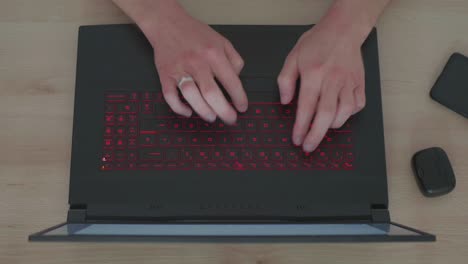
[(37, 72)]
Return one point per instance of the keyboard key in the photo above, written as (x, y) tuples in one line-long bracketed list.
[(107, 166), (253, 139), (164, 140), (187, 154), (194, 140), (190, 125), (120, 131), (132, 131), (265, 125), (107, 156), (203, 154), (147, 140), (172, 154), (249, 125), (108, 131), (120, 142), (132, 118), (147, 107), (288, 110), (127, 108), (132, 155), (224, 139), (246, 154), (263, 154), (108, 142), (292, 155), (277, 154), (132, 143), (109, 118), (283, 124), (120, 155), (179, 140), (133, 96), (152, 155), (232, 154), (284, 139), (349, 156), (206, 126), (217, 155), (269, 139), (121, 118), (256, 110), (147, 96), (240, 139)]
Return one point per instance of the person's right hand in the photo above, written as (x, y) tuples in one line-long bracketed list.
[(185, 47)]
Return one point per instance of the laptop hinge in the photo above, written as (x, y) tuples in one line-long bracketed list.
[(380, 215), (76, 215)]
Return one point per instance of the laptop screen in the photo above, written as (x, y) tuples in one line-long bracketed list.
[(121, 231)]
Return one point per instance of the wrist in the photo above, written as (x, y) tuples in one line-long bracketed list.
[(156, 16), (349, 21)]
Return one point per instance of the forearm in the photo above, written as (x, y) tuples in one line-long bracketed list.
[(354, 18), (150, 15)]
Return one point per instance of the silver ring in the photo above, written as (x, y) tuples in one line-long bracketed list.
[(183, 80)]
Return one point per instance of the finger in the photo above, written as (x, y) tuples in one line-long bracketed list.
[(214, 97), (287, 78), (359, 98), (171, 95), (191, 93), (346, 106), (323, 119), (360, 91), (231, 82), (308, 96), (234, 57)]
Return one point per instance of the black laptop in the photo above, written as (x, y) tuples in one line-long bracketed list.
[(140, 172)]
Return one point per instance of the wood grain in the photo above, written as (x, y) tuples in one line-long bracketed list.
[(37, 71)]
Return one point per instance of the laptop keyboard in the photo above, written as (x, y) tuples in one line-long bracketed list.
[(142, 133)]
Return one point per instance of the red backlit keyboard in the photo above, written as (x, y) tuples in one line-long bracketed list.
[(142, 133)]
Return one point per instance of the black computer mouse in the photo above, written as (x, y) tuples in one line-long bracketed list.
[(433, 172)]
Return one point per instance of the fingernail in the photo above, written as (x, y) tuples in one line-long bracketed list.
[(188, 114), (308, 148), (211, 117), (242, 108), (297, 140), (283, 99)]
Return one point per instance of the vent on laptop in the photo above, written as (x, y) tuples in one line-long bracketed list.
[(230, 206)]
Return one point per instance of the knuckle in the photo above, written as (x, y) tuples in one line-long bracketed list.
[(361, 102), (189, 58), (240, 63), (211, 53), (327, 111), (284, 80), (209, 93), (347, 109), (313, 69), (336, 125), (186, 88)]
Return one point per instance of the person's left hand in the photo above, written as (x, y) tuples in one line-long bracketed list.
[(331, 71)]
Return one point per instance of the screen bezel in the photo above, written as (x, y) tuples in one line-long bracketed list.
[(416, 236)]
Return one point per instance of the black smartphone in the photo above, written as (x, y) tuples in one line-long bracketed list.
[(451, 88)]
